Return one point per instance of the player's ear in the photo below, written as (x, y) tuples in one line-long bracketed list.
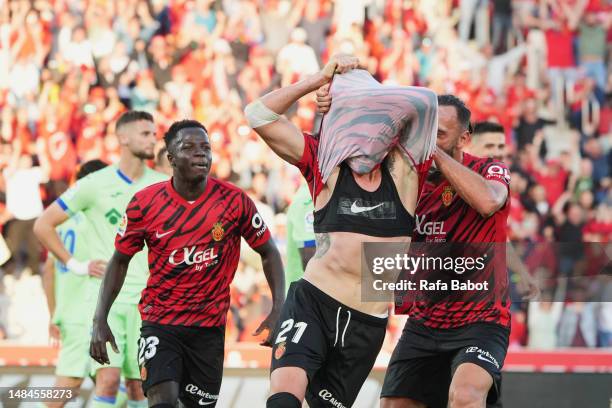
[(465, 139), (170, 157)]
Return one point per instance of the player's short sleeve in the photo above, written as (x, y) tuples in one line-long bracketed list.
[(309, 164), (496, 171), (252, 226), (130, 238), (79, 197)]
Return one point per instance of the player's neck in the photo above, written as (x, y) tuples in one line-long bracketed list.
[(132, 167), (190, 190)]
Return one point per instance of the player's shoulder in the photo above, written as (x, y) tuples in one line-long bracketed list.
[(152, 189), (224, 186), (102, 176), (477, 163)]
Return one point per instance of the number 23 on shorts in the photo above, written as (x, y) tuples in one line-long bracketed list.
[(147, 347)]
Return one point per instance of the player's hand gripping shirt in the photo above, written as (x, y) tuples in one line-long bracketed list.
[(367, 119), (444, 217), (194, 249)]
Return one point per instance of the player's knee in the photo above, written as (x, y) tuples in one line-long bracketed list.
[(291, 380), (163, 393), (134, 390), (466, 396), (107, 381), (283, 400)]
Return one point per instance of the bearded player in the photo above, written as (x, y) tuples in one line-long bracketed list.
[(451, 352), (328, 339), (192, 225)]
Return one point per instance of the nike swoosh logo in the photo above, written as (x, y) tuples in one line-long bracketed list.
[(357, 209), (487, 360), (206, 403), (158, 235)]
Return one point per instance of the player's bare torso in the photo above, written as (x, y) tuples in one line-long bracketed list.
[(336, 266)]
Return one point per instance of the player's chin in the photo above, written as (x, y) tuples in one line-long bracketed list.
[(198, 174), (146, 155)]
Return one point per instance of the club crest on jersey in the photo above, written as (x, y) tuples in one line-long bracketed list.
[(447, 195), (143, 373), (123, 225), (217, 231), (280, 350)]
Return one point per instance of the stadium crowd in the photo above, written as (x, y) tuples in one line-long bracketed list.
[(540, 68)]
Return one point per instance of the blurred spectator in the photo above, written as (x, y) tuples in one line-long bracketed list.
[(592, 45), (22, 178), (502, 24), (296, 59), (544, 317), (578, 324)]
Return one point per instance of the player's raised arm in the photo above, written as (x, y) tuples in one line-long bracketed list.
[(111, 285), (484, 194), (264, 114)]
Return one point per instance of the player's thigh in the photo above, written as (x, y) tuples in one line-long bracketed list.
[(348, 363), (293, 380), (417, 373), (204, 350), (133, 323), (73, 360), (477, 365), (470, 386), (160, 356), (300, 341)]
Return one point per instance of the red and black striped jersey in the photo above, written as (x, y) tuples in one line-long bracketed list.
[(194, 249), (442, 216)]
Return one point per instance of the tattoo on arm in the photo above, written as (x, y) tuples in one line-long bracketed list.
[(323, 243)]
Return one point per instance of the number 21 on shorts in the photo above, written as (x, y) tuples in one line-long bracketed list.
[(286, 327), (147, 347)]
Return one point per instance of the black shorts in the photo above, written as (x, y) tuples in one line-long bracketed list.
[(191, 356), (425, 359), (334, 344)]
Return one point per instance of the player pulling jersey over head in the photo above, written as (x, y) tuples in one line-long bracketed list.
[(192, 225), (364, 180)]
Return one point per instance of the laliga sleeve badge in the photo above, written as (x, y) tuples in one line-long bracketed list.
[(143, 373), (123, 225), (447, 195), (217, 231), (280, 350)]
